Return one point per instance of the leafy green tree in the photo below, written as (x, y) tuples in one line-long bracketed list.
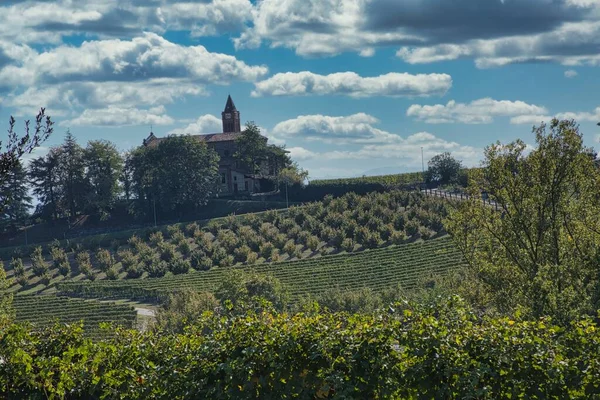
[(254, 152), (104, 167), (6, 310), (14, 188), (443, 169), (44, 178), (15, 147), (71, 168), (184, 308), (180, 174), (240, 291), (291, 175), (539, 252)]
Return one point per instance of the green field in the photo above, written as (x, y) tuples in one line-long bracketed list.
[(376, 269), (44, 310), (391, 180)]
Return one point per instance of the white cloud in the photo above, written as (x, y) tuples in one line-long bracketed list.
[(569, 44), (530, 119), (206, 123), (593, 116), (355, 128), (352, 84), (301, 154), (117, 116), (480, 111), (142, 58), (571, 73)]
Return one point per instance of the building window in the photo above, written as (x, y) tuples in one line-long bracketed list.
[(235, 178), (223, 178), (226, 153), (247, 186)]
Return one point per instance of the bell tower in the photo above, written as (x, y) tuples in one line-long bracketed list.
[(230, 117)]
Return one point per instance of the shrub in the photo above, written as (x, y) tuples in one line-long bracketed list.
[(173, 230), (347, 245), (156, 238), (266, 249), (412, 227), (195, 257), (64, 268), (280, 240), (286, 224), (275, 257), (386, 232), (127, 258), (134, 271), (178, 238), (241, 253), (184, 248), (179, 266), (156, 269), (372, 240), (204, 242), (18, 267), (45, 278), (58, 256), (205, 264), (38, 265), (251, 258), (218, 255), (90, 273), (313, 243), (167, 252), (227, 261), (112, 273), (290, 248), (227, 239), (22, 280), (104, 259), (192, 228), (425, 233), (398, 237)]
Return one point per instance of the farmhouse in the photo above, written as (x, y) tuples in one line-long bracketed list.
[(235, 177)]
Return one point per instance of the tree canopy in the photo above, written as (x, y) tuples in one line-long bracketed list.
[(443, 169), (540, 251)]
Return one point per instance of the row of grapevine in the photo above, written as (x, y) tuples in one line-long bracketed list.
[(349, 223), (391, 180), (377, 269), (45, 310)]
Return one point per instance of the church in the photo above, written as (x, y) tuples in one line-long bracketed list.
[(235, 179)]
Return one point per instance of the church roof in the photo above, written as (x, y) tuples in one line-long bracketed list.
[(207, 138), (229, 106)]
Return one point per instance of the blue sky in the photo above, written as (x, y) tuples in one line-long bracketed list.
[(350, 87)]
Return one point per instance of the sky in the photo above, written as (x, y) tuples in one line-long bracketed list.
[(350, 87)]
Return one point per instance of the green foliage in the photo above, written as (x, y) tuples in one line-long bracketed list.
[(6, 299), (17, 266), (539, 253), (104, 166), (445, 352), (240, 291), (443, 169), (104, 259), (179, 266), (183, 308)]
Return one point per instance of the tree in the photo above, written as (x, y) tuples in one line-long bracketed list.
[(14, 188), (292, 175), (104, 167), (72, 175), (44, 178), (253, 151), (540, 251), (6, 310), (248, 290), (443, 169), (16, 147), (181, 173)]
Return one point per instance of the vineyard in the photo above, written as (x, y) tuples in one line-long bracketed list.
[(376, 269), (42, 310), (348, 224), (390, 180)]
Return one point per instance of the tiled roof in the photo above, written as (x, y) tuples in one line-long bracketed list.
[(208, 138)]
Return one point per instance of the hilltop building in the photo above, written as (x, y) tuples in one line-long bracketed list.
[(235, 178)]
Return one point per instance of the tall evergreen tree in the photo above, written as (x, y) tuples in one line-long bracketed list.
[(104, 166), (72, 175), (45, 179), (14, 188)]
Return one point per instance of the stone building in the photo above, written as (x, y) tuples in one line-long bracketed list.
[(235, 179)]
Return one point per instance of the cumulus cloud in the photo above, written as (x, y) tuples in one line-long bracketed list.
[(493, 32), (352, 84), (578, 116), (117, 116), (206, 123), (571, 73), (146, 57), (480, 111), (355, 128)]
